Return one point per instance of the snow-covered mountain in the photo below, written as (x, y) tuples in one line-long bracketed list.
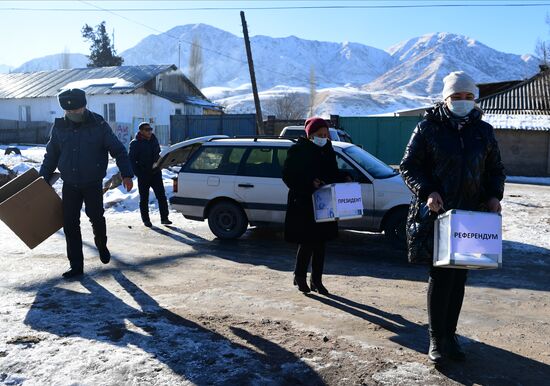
[(351, 78), (277, 61), (426, 60), (54, 62)]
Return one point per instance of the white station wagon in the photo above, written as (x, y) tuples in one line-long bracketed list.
[(234, 182)]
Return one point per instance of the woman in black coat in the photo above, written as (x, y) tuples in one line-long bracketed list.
[(310, 163), (452, 161)]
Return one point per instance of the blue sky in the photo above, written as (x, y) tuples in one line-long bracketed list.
[(31, 33)]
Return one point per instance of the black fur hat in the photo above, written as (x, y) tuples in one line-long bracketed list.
[(72, 99)]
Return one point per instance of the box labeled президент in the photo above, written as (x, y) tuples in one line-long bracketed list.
[(342, 201)]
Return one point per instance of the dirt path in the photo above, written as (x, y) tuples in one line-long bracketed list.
[(176, 306)]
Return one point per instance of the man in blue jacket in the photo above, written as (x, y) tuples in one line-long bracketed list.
[(79, 146), (144, 152)]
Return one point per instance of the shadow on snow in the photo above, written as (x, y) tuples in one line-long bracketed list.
[(198, 354)]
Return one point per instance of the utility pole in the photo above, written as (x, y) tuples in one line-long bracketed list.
[(259, 119)]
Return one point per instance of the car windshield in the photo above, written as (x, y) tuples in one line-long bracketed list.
[(295, 132), (370, 163)]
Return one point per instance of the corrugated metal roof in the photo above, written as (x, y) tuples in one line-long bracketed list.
[(529, 97), (49, 83), (190, 100)]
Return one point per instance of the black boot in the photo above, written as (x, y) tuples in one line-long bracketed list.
[(435, 352), (317, 286), (165, 221), (73, 273), (104, 254), (301, 282), (453, 349)]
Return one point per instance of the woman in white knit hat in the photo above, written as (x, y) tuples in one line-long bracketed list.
[(452, 161)]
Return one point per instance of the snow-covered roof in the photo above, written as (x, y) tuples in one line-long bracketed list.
[(95, 81), (187, 99), (519, 121)]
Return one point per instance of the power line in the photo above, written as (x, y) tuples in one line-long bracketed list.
[(178, 39), (282, 1), (295, 7)]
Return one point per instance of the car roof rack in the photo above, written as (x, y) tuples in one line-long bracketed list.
[(256, 137)]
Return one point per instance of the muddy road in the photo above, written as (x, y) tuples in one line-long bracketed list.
[(177, 306)]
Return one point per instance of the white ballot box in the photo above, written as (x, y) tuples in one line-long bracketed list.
[(469, 240), (338, 202)]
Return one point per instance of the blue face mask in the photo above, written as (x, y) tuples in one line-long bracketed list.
[(319, 141), (461, 108)]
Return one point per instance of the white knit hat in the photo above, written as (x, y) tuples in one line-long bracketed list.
[(458, 81)]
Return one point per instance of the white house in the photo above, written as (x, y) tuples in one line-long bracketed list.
[(124, 96)]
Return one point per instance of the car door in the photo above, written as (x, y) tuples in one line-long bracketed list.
[(208, 175), (179, 153), (259, 186)]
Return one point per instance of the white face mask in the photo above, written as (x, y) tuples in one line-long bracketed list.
[(319, 141), (461, 108)]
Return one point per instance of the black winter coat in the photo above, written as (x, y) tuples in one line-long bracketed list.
[(459, 159), (81, 150), (143, 154), (304, 163)]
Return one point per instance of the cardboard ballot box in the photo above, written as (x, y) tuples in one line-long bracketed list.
[(338, 202), (31, 208), (470, 240)]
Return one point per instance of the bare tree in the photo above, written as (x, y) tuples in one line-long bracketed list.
[(195, 62), (542, 51), (65, 59), (289, 106), (542, 47), (312, 91)]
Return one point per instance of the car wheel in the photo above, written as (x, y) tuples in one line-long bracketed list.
[(395, 227), (227, 220)]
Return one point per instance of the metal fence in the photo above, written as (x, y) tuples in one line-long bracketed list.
[(183, 127), (162, 132), (24, 132), (383, 137)]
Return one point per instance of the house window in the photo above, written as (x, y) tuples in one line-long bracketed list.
[(109, 112), (25, 113), (178, 111)]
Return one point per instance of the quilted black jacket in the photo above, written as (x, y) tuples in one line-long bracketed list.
[(457, 157)]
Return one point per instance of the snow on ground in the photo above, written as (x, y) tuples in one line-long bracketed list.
[(116, 327), (115, 200), (119, 201)]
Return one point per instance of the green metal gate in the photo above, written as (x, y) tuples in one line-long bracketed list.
[(383, 137)]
